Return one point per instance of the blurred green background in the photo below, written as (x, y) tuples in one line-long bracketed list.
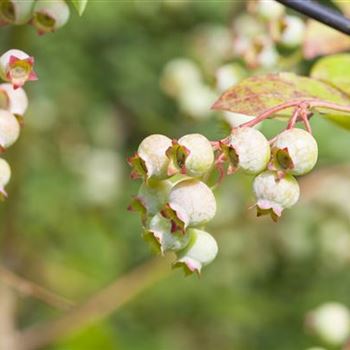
[(65, 224)]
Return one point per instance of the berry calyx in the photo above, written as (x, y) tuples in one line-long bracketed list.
[(191, 155), (48, 16), (161, 237), (16, 11), (17, 67), (151, 160)]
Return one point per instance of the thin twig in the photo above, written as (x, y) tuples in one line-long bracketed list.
[(96, 307), (32, 289)]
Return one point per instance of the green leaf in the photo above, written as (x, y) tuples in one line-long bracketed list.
[(255, 95), (334, 70), (80, 5)]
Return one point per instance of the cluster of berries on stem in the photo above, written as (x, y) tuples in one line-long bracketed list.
[(175, 200), (16, 67)]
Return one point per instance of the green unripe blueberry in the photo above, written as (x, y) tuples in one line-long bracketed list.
[(192, 155), (274, 194), (331, 322), (5, 175), (191, 203), (201, 250), (160, 236), (247, 149), (16, 11), (151, 197), (48, 16), (295, 151), (151, 160), (9, 129), (13, 100)]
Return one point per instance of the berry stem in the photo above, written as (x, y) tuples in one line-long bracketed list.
[(294, 118), (270, 112), (302, 104)]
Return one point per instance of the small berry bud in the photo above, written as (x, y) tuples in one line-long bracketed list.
[(13, 100), (294, 151), (293, 31), (191, 203), (16, 11), (247, 149), (192, 154), (269, 9), (160, 236), (274, 194), (48, 16), (331, 322), (5, 175), (151, 197), (17, 67), (151, 160), (228, 76), (201, 250), (9, 129), (178, 74), (196, 101)]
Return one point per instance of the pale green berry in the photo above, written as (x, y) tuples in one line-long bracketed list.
[(247, 149), (9, 129), (191, 203), (48, 16), (192, 154), (294, 31), (178, 75), (331, 322), (268, 55), (295, 151), (151, 160), (196, 101), (201, 250), (17, 67), (270, 9), (16, 11), (5, 175), (159, 234), (13, 100), (228, 76), (151, 197), (273, 194)]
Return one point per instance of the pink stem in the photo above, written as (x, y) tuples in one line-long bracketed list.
[(294, 118), (310, 103), (271, 111), (330, 105)]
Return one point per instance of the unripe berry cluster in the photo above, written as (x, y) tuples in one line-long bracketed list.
[(46, 16), (16, 67), (174, 201), (292, 153)]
